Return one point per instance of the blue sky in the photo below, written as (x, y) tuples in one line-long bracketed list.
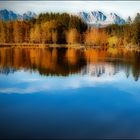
[(122, 8)]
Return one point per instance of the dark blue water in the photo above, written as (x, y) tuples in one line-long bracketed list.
[(87, 100)]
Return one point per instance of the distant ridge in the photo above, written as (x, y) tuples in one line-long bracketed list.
[(99, 19), (6, 15), (92, 18)]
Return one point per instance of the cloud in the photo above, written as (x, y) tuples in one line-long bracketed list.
[(27, 83), (56, 83)]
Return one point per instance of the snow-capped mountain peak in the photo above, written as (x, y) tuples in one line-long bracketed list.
[(92, 17), (99, 19), (113, 18), (98, 15), (29, 15), (7, 15)]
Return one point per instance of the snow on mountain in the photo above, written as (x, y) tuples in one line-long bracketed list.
[(113, 18), (6, 15), (28, 15), (99, 19), (93, 18)]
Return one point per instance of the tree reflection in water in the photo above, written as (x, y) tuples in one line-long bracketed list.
[(63, 61)]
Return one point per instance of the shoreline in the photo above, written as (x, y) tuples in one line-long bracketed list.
[(73, 46)]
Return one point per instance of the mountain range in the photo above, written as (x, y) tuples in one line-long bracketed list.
[(93, 18), (99, 19), (6, 15)]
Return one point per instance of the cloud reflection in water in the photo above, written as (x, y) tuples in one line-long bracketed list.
[(25, 82)]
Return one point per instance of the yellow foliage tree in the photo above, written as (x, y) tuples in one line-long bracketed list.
[(2, 32), (49, 33), (96, 37), (35, 34), (73, 36)]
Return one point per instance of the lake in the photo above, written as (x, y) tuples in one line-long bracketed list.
[(69, 93)]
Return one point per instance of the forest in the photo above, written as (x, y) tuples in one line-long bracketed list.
[(56, 28)]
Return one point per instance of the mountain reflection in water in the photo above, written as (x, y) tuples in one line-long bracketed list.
[(70, 93), (63, 62)]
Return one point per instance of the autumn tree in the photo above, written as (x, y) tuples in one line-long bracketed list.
[(10, 37), (54, 36), (49, 33), (96, 37), (17, 32), (73, 36), (3, 32), (35, 34)]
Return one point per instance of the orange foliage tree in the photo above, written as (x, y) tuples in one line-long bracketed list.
[(73, 36), (96, 36)]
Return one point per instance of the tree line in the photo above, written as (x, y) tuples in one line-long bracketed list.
[(128, 33), (65, 28), (47, 28)]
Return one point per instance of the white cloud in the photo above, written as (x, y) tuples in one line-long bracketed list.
[(43, 84), (28, 83)]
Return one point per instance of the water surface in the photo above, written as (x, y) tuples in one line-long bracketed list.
[(69, 93)]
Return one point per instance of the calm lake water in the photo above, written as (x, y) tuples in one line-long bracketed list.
[(69, 93)]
